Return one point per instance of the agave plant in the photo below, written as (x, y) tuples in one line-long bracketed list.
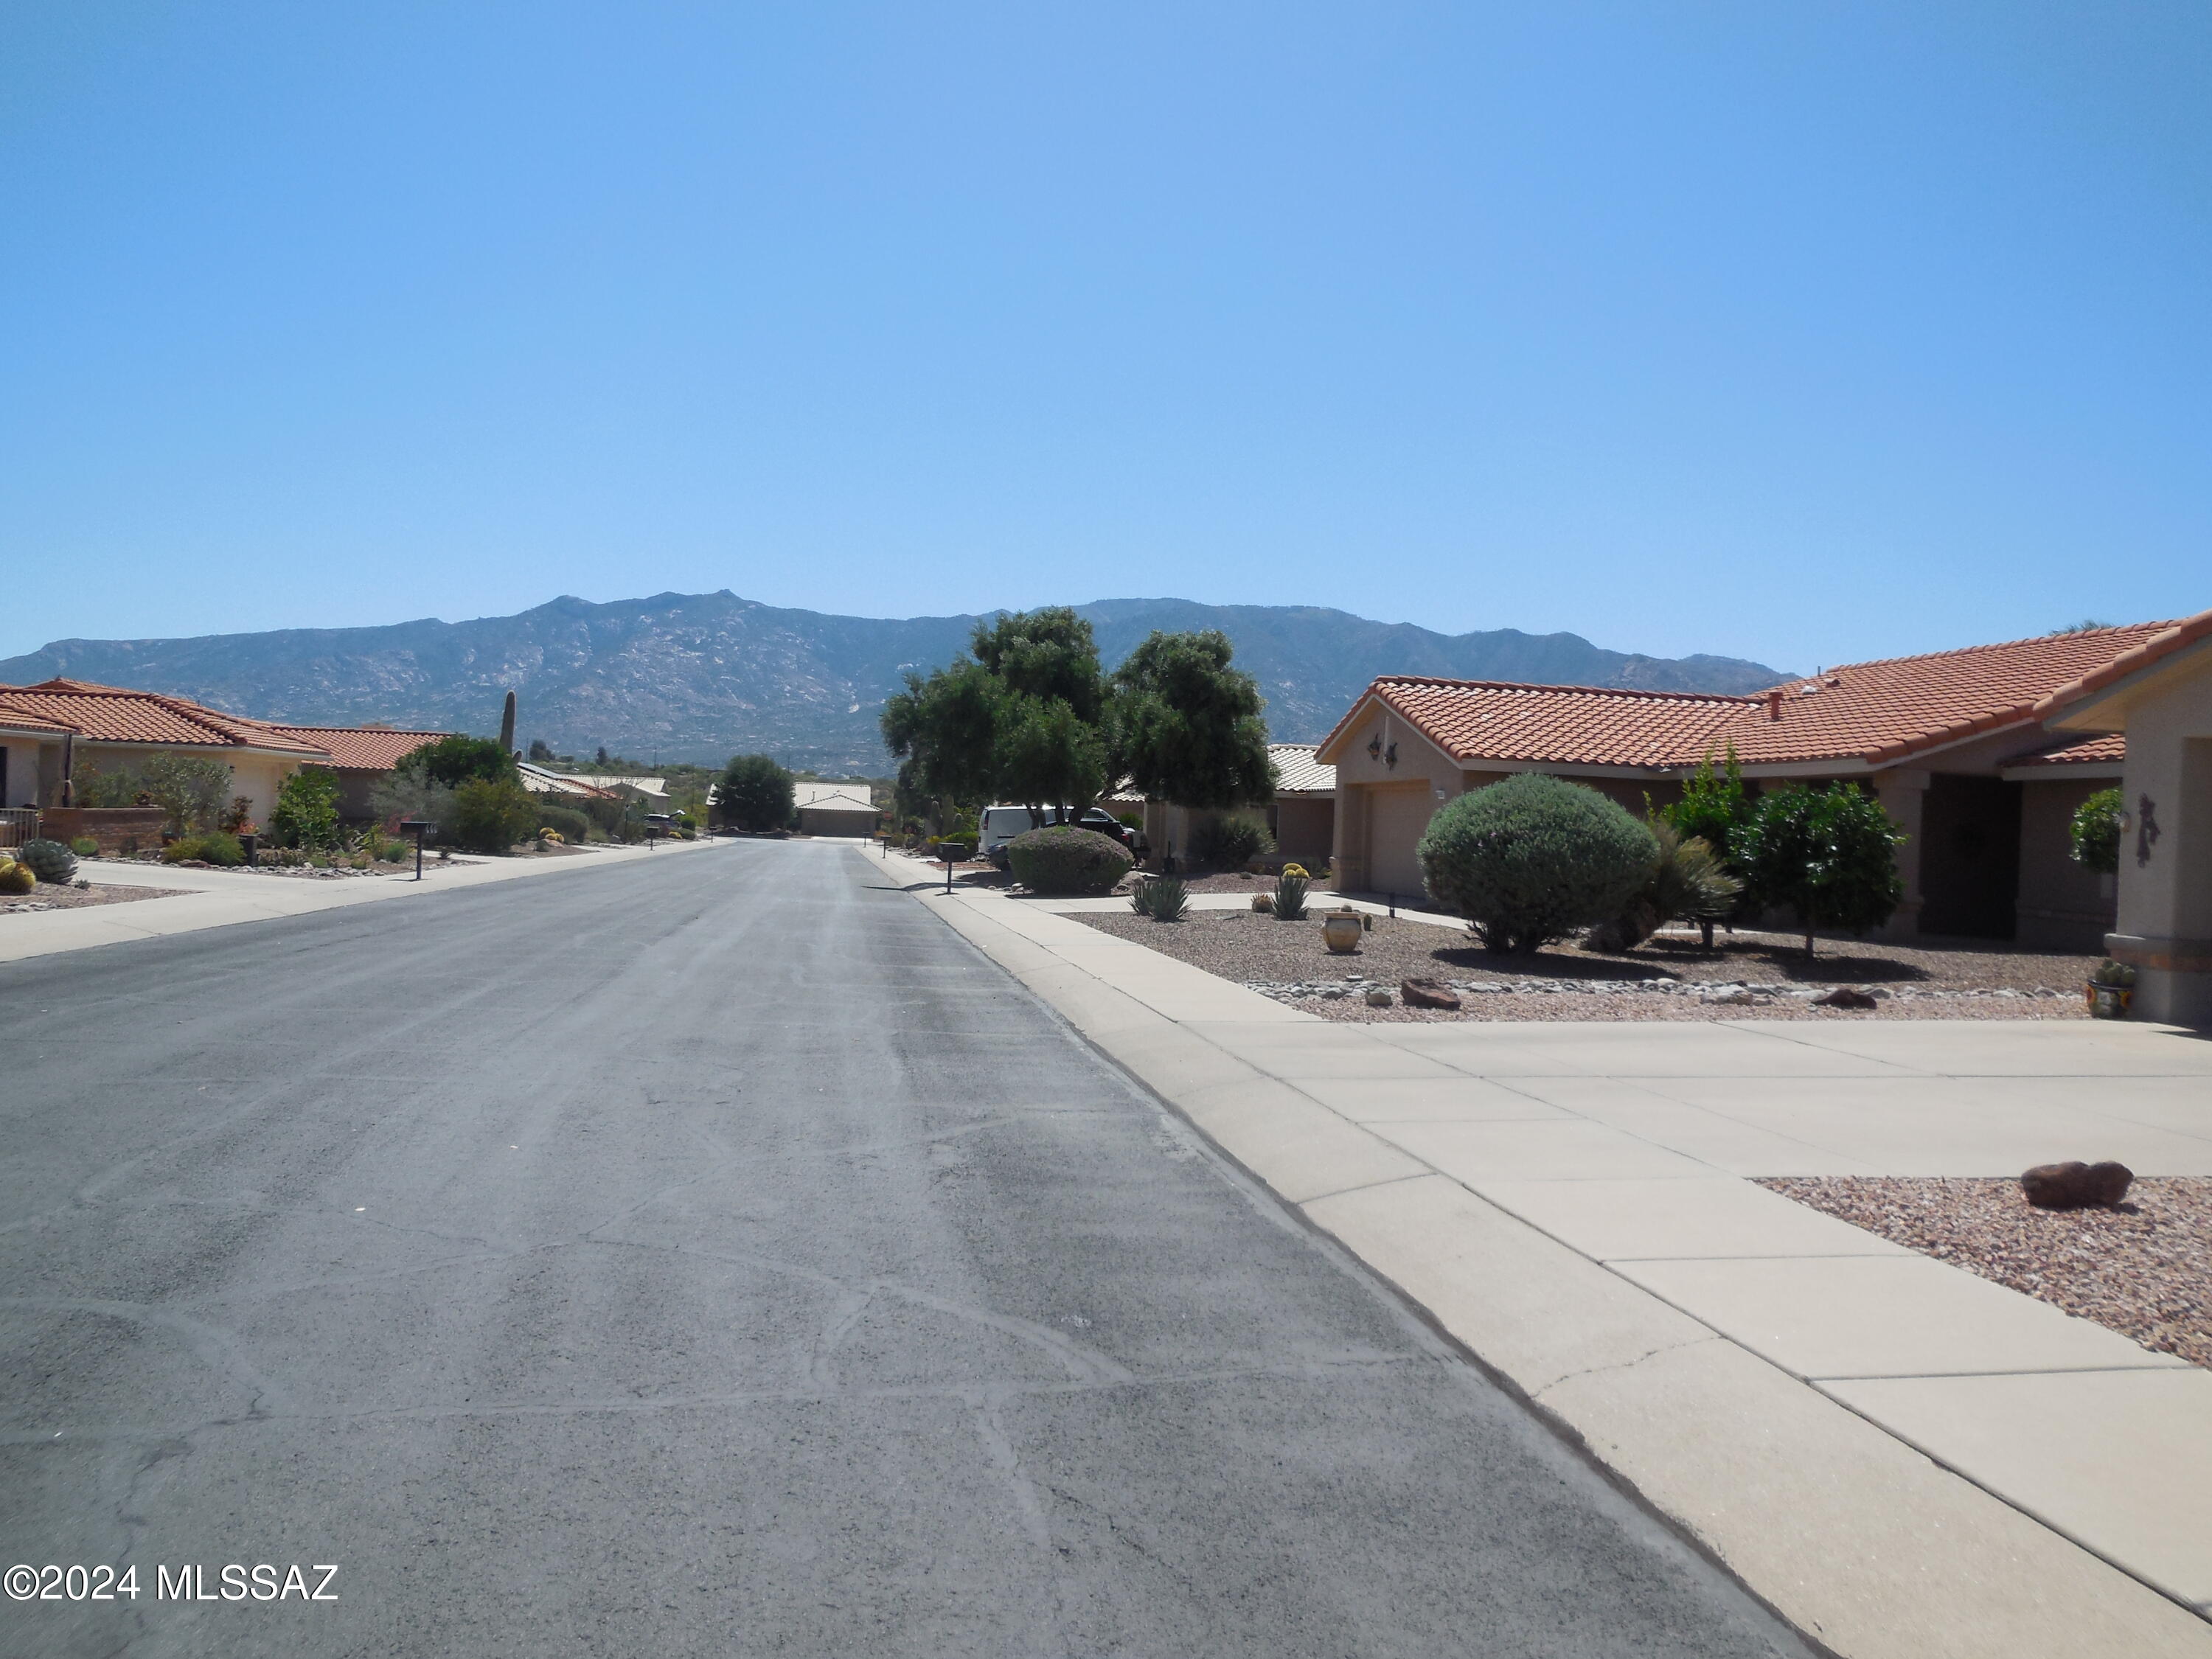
[(1166, 898), (1291, 895)]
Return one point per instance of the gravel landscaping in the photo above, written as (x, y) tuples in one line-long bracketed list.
[(50, 897), (2143, 1268), (1764, 975)]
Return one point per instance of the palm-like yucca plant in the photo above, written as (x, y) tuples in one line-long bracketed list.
[(1291, 895), (1689, 883)]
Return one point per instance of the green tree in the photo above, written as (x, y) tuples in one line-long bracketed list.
[(1187, 726), (1047, 654), (1829, 855), (306, 811), (454, 759), (2094, 833), (755, 793), (1049, 756), (944, 731)]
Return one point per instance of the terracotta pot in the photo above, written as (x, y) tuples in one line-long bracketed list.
[(2108, 1002), (1339, 931)]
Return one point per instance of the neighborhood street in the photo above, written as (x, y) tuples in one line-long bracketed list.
[(719, 1254)]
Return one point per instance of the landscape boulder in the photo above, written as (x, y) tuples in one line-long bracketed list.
[(2076, 1185), (1377, 997), (1427, 994)]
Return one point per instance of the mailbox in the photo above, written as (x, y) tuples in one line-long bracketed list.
[(423, 829)]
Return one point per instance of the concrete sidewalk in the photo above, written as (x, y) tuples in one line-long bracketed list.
[(1901, 1457), (224, 898)]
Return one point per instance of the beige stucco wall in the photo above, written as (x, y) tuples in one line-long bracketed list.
[(22, 788), (2061, 906), (1305, 829), (2164, 920), (1380, 808)]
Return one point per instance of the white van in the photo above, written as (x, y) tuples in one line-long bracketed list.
[(997, 825)]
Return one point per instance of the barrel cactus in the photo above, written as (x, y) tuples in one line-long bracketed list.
[(15, 879)]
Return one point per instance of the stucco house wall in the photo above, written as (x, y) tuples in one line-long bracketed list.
[(2063, 907)]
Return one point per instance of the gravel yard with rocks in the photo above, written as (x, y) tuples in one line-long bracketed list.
[(49, 897), (2143, 1268), (1672, 977)]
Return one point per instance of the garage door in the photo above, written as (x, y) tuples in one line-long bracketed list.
[(1401, 813)]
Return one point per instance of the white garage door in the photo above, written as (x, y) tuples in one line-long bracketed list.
[(1401, 813)]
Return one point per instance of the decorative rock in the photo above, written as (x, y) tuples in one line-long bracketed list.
[(1843, 996), (2076, 1185), (1377, 997), (1427, 994)]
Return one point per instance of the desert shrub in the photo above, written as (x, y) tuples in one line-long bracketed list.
[(1290, 896), (404, 795), (1226, 843), (1063, 860), (214, 847), (1827, 855), (85, 848), (1529, 861), (571, 826), (15, 879), (490, 815), (49, 860), (306, 812), (2094, 832), (1688, 883), (191, 789)]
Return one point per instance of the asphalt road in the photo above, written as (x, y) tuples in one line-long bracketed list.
[(716, 1255)]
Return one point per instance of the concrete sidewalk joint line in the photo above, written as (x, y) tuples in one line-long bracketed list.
[(1601, 1248)]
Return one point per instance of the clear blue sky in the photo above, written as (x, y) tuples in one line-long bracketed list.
[(1802, 332)]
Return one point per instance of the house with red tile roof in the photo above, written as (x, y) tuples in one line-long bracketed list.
[(56, 733), (1953, 743)]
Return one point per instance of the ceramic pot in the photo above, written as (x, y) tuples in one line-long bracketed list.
[(1339, 931), (2108, 1002)]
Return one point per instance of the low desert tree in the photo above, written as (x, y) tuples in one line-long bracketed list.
[(1827, 854), (944, 731), (2094, 832), (755, 793), (453, 760), (489, 815), (1186, 726), (306, 811), (1531, 860)]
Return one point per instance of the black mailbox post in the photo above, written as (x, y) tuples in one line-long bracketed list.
[(423, 829)]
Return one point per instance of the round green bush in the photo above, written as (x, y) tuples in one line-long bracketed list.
[(1529, 861), (2094, 832), (85, 847), (49, 860), (574, 827), (1062, 859)]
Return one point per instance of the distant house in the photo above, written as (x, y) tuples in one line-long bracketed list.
[(835, 809), (1951, 743), (537, 780), (1303, 815), (652, 792)]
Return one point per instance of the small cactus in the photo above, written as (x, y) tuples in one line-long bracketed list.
[(16, 879), (49, 860)]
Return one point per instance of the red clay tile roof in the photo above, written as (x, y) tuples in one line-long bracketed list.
[(1476, 720), (1881, 712), (2175, 637), (1876, 712), (362, 748), (2106, 747), (108, 714)]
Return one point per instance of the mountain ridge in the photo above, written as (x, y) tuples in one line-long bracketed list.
[(700, 675)]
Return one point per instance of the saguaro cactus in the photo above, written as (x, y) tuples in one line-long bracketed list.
[(507, 726)]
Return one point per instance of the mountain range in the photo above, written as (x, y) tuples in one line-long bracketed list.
[(702, 675)]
